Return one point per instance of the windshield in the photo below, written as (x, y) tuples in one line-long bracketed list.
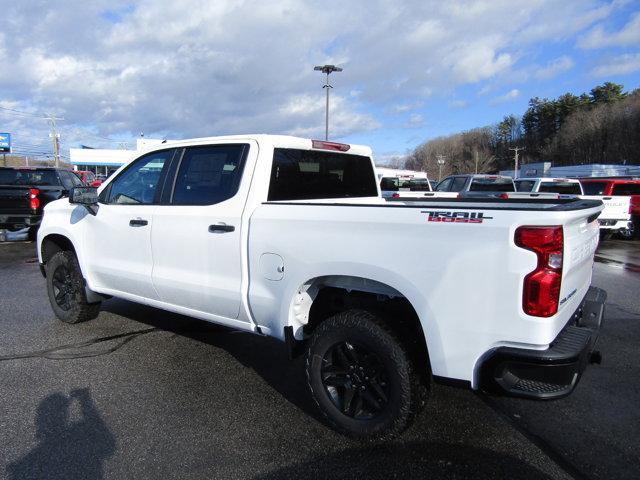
[(491, 184), (309, 174), (594, 188), (18, 177), (567, 188)]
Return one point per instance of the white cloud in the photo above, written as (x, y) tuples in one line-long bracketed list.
[(555, 67), (629, 35), (406, 107), (194, 68), (415, 121), (620, 65), (507, 97), (458, 104)]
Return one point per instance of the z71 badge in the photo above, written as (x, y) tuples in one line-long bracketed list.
[(455, 217)]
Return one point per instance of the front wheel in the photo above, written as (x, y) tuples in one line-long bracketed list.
[(65, 287), (361, 376)]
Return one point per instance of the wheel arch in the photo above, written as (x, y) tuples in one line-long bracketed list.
[(321, 297), (54, 243)]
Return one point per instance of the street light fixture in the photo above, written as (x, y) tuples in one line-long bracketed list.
[(327, 69)]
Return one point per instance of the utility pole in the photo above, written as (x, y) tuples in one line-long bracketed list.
[(55, 137), (327, 69), (476, 152), (440, 159), (515, 158)]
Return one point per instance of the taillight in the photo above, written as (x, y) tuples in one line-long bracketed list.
[(504, 196), (34, 201), (341, 147), (395, 195), (541, 294)]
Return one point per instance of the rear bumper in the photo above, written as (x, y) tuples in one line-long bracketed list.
[(19, 221), (552, 373)]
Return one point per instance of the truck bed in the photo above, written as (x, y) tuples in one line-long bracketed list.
[(445, 257)]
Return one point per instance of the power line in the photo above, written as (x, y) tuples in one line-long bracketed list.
[(29, 114)]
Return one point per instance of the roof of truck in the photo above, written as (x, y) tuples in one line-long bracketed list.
[(549, 179), (610, 180), (277, 141)]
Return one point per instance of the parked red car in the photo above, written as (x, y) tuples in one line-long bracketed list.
[(88, 178), (620, 187)]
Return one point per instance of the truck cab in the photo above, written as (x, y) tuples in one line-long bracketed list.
[(477, 185), (562, 186)]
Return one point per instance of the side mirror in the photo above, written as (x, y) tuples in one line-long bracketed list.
[(87, 196)]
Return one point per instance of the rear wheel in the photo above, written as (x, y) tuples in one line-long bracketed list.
[(65, 287), (362, 377)]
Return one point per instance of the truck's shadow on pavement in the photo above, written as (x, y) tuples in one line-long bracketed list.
[(67, 449), (409, 460), (266, 356), (399, 459)]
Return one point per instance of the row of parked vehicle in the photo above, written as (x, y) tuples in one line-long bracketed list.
[(620, 196), (24, 192)]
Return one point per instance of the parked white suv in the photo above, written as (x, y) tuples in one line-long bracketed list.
[(289, 238)]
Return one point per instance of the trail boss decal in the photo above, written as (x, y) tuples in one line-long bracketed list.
[(455, 217)]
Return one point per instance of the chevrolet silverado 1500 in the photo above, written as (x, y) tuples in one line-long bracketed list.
[(289, 238)]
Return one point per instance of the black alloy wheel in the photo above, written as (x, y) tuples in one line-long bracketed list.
[(355, 380), (362, 377), (64, 288)]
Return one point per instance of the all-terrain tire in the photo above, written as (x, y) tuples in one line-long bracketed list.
[(367, 337), (65, 287)]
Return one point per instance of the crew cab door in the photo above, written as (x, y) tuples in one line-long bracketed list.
[(197, 232), (118, 238)]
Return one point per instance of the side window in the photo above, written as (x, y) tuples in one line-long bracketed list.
[(444, 185), (458, 184), (209, 174), (138, 184)]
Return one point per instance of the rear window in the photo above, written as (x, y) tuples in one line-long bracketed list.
[(420, 185), (524, 185), (567, 188), (307, 174), (489, 184), (594, 188), (626, 189), (11, 176)]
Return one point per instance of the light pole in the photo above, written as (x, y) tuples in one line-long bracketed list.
[(327, 69), (440, 159)]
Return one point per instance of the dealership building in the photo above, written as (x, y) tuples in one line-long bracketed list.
[(106, 161)]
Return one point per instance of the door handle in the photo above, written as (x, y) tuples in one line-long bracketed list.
[(221, 227), (138, 222)]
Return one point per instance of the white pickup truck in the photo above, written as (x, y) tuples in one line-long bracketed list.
[(289, 238), (615, 217)]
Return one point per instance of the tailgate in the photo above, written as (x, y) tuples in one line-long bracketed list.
[(14, 199), (615, 208), (581, 238)]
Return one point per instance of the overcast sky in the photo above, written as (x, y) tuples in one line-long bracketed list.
[(413, 70)]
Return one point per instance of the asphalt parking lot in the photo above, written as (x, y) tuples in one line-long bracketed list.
[(141, 393)]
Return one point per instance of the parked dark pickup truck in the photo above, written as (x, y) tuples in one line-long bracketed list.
[(24, 192)]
